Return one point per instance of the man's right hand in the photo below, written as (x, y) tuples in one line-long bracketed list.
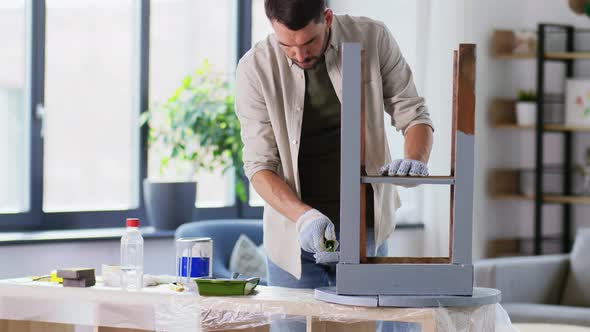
[(314, 229)]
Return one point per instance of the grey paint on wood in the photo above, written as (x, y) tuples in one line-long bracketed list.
[(404, 181), (329, 294), (480, 297), (404, 279), (463, 210), (350, 163), (413, 280)]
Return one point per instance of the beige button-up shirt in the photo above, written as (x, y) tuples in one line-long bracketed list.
[(269, 103)]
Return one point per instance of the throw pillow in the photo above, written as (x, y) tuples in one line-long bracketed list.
[(247, 259), (577, 288)]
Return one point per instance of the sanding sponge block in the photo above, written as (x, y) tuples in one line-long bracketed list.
[(76, 273), (84, 282)]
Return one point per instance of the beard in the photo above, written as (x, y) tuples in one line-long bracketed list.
[(308, 63), (311, 62)]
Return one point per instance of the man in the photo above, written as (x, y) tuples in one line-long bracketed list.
[(289, 88)]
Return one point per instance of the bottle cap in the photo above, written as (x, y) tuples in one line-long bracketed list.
[(132, 222)]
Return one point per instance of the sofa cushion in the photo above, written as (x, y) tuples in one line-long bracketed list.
[(546, 313), (577, 288), (519, 277), (247, 259)]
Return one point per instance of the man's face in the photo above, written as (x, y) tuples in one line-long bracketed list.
[(305, 46)]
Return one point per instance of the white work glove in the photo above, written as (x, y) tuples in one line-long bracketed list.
[(327, 257), (314, 230), (404, 167)]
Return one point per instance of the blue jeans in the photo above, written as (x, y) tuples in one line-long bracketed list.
[(317, 275)]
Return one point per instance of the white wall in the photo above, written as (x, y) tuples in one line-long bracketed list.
[(39, 259)]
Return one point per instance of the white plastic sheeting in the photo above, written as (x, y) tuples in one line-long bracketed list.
[(161, 309)]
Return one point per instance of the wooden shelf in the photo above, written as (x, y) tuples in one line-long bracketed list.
[(503, 43), (508, 56), (546, 199), (548, 127), (504, 184), (567, 199), (518, 246), (548, 56), (568, 56), (556, 127), (512, 197), (511, 126), (503, 113)]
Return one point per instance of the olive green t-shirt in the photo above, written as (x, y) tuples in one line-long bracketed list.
[(319, 152)]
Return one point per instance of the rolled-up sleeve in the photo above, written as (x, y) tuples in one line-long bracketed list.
[(400, 96), (260, 147)]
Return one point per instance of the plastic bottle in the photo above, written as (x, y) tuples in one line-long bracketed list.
[(132, 256)]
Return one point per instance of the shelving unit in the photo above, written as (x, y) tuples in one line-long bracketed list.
[(522, 246), (567, 199), (504, 183)]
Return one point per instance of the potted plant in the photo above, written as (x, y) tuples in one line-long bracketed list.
[(526, 108), (195, 129)]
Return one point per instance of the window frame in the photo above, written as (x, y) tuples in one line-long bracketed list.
[(36, 218)]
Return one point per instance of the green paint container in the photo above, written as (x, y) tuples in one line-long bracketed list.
[(226, 287)]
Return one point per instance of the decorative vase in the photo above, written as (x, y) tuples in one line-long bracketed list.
[(169, 204), (526, 113)]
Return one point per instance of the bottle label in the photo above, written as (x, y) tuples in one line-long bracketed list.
[(198, 266)]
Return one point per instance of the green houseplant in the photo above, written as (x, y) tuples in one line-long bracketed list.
[(195, 129)]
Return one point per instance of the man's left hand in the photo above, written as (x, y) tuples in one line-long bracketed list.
[(405, 167)]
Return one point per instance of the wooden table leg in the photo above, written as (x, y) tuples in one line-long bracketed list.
[(428, 325), (426, 321), (324, 326), (264, 328), (30, 326), (116, 329)]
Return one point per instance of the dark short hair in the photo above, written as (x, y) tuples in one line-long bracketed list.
[(295, 14)]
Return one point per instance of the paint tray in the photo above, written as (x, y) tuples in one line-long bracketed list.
[(226, 287)]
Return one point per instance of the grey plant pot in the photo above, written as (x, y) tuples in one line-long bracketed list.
[(169, 204)]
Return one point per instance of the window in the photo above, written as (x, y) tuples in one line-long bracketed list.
[(90, 125), (74, 77), (14, 129), (201, 30)]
